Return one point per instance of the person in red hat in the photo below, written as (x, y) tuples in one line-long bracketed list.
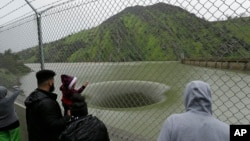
[(68, 89)]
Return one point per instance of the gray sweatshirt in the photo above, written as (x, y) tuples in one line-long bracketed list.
[(197, 123), (7, 110)]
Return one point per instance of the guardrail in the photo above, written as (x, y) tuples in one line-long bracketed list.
[(239, 64), (20, 110)]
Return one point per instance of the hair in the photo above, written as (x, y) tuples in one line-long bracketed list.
[(79, 106), (44, 75)]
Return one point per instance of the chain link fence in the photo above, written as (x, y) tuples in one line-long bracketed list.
[(137, 56)]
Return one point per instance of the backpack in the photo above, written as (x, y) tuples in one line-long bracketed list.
[(88, 128)]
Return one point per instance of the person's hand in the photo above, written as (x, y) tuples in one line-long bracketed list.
[(86, 84), (16, 87), (69, 113)]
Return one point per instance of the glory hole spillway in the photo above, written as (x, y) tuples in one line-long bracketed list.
[(125, 94)]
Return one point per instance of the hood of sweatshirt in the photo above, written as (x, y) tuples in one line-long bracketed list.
[(3, 92), (197, 97)]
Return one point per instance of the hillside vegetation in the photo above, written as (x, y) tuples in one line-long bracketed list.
[(159, 32)]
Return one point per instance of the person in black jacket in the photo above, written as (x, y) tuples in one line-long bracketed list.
[(43, 113), (83, 127)]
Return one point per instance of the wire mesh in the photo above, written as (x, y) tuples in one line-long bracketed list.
[(138, 56)]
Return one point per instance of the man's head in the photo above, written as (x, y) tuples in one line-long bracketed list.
[(45, 80)]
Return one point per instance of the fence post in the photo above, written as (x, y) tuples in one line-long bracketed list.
[(40, 40), (39, 32)]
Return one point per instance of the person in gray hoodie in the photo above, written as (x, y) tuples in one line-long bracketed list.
[(197, 123), (9, 122)]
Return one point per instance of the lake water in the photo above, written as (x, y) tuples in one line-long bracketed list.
[(231, 91)]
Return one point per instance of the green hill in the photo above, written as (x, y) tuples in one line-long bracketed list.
[(149, 33), (238, 27)]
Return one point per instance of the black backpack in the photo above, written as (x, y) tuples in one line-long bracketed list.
[(88, 128)]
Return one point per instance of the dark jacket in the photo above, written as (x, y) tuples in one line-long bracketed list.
[(43, 115), (86, 128)]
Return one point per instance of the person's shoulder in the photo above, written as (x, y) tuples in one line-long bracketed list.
[(34, 97), (92, 121), (91, 126), (221, 127), (221, 123), (37, 94), (176, 115), (101, 123), (174, 118)]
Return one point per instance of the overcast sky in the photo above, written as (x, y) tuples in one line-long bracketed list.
[(89, 13)]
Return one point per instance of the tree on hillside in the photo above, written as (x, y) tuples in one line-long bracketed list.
[(10, 62)]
